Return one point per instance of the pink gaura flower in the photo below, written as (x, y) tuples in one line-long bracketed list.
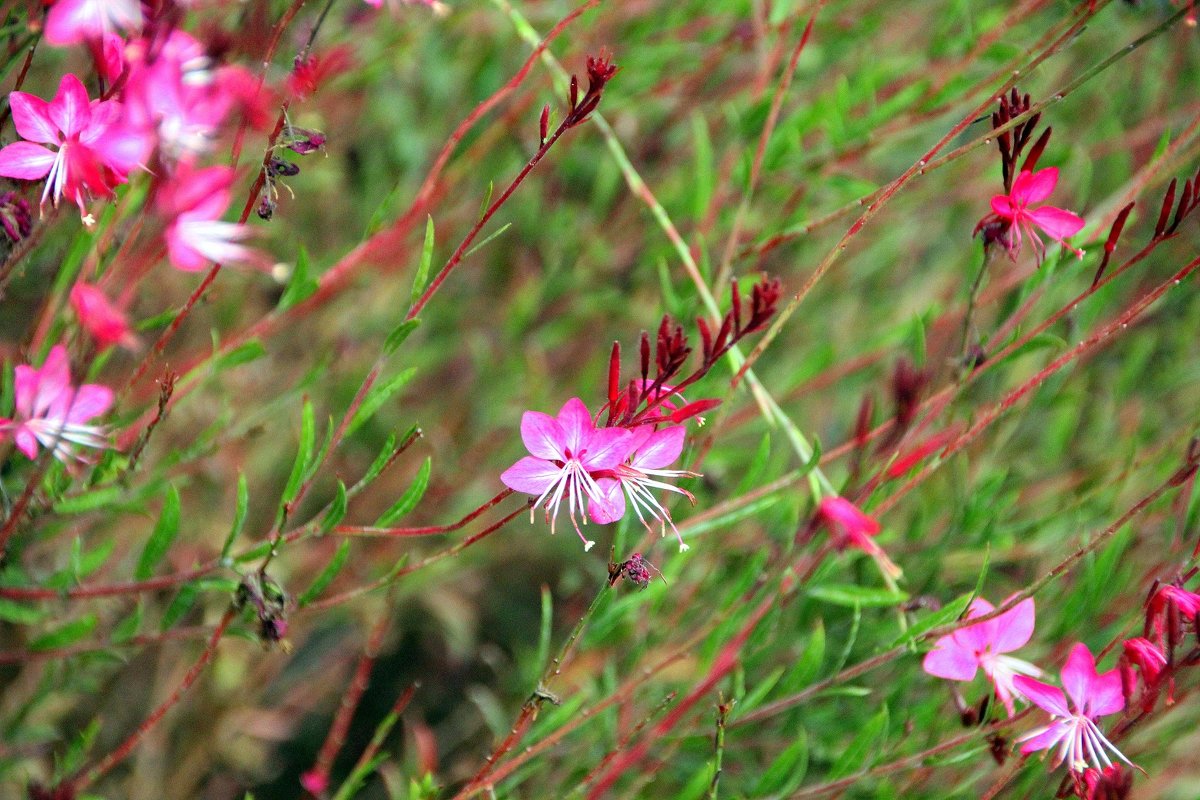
[(960, 655), (1013, 210), (1143, 654), (91, 152), (74, 21), (1073, 726), (53, 413), (637, 479), (565, 451), (853, 528), (101, 319), (192, 201)]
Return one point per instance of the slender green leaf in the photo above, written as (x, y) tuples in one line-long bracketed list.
[(162, 537), (66, 634), (303, 453), (397, 336), (787, 771), (408, 501), (239, 515), (242, 354), (128, 627), (857, 755), (301, 285), (850, 595), (422, 275), (379, 395), (336, 511), (20, 614), (327, 575), (182, 603)]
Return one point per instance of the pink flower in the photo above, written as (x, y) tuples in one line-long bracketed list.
[(93, 153), (50, 411), (958, 657), (1013, 210), (100, 318), (651, 451), (74, 21), (1168, 604), (1072, 727), (853, 528), (564, 452), (193, 200)]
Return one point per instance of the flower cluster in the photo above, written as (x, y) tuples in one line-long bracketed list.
[(52, 412)]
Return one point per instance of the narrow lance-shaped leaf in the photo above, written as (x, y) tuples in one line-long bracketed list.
[(378, 396), (165, 531), (412, 495), (426, 259), (322, 581), (239, 515)]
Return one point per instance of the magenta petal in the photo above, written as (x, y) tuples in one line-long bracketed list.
[(948, 660), (1051, 736), (1106, 696), (31, 118), (25, 160), (1078, 674), (542, 435), (1057, 223), (1034, 188), (576, 423), (609, 505), (1002, 204), (1014, 628), (1043, 695), (26, 442), (606, 448), (69, 108), (661, 449), (530, 475)]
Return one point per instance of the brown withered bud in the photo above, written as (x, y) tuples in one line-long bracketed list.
[(303, 141), (544, 125), (998, 746), (1110, 244), (908, 384), (15, 217), (38, 791), (764, 299)]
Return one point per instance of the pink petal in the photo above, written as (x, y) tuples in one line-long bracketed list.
[(1078, 674), (70, 108), (981, 636), (1052, 735), (26, 442), (661, 449), (31, 118), (72, 21), (606, 448), (25, 160), (609, 505), (1014, 628), (1057, 223), (25, 385), (948, 660), (543, 435), (530, 475), (1106, 696), (576, 424), (1002, 204), (1034, 188), (1043, 695), (91, 400)]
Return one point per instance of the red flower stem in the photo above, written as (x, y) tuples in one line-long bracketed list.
[(354, 692), (460, 251), (363, 767), (428, 530), (84, 779)]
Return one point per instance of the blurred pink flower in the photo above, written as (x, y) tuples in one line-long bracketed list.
[(959, 656), (50, 411), (650, 450), (74, 21), (1072, 727), (100, 318), (1013, 209), (852, 528), (92, 151), (192, 201), (564, 452)]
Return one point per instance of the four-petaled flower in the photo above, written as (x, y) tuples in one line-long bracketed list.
[(854, 529), (52, 412), (959, 656), (1013, 212), (192, 201), (651, 451), (1073, 726), (91, 151), (564, 452)]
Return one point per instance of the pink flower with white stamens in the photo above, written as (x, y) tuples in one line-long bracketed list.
[(193, 201), (1015, 212), (52, 413), (1072, 726), (960, 655), (564, 452)]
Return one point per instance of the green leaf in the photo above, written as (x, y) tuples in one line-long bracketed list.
[(756, 695), (94, 500), (127, 628), (337, 510), (19, 614), (704, 174), (397, 336), (850, 595), (943, 616), (378, 396), (303, 453), (487, 198), (239, 515), (165, 531), (808, 666), (85, 563), (182, 603), (381, 461), (327, 575), (65, 634), (786, 772), (242, 354), (408, 501), (301, 285), (422, 275), (73, 759), (857, 755), (489, 238)]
